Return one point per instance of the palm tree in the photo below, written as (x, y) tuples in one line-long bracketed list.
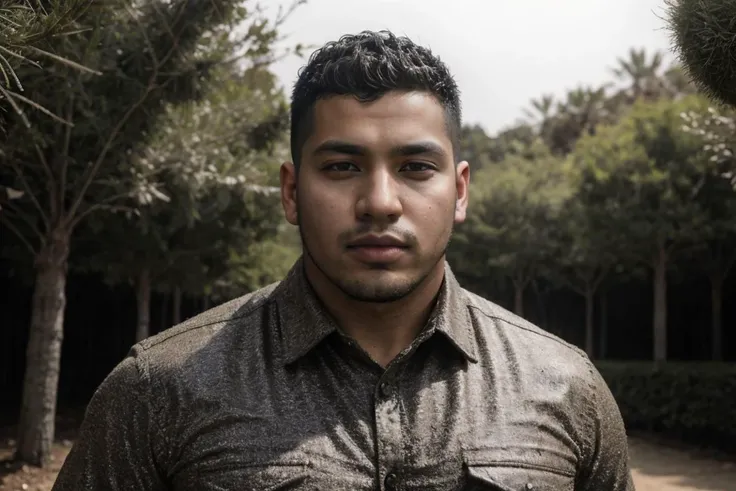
[(582, 110), (541, 109), (641, 74)]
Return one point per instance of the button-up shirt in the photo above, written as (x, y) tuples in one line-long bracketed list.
[(267, 393)]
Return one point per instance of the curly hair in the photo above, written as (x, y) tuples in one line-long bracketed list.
[(367, 66)]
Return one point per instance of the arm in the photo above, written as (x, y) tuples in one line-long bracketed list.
[(118, 441), (607, 461)]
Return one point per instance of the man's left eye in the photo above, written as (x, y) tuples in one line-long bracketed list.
[(418, 167)]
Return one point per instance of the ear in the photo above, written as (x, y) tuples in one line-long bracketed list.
[(287, 176), (462, 186)]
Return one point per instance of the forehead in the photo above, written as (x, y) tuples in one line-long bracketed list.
[(393, 119)]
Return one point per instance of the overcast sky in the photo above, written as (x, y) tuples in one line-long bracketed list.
[(502, 52)]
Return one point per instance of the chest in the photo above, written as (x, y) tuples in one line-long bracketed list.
[(336, 427)]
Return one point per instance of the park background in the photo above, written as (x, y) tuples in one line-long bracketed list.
[(140, 144)]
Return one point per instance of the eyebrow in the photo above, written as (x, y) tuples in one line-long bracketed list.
[(347, 148)]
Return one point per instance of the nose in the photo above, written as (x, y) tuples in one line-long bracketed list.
[(378, 198)]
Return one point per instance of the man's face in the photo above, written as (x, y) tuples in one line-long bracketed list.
[(377, 193)]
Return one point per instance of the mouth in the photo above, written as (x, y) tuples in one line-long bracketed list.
[(377, 249)]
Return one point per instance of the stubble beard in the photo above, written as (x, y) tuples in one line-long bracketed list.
[(362, 292)]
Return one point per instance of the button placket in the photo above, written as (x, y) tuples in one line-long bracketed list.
[(388, 432)]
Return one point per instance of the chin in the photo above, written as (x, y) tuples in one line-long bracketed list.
[(378, 286)]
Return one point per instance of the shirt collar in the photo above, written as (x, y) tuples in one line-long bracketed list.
[(304, 322)]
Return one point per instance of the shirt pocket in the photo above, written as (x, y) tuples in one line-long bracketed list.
[(518, 469), (263, 476), (279, 477)]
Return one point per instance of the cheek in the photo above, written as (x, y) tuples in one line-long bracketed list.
[(322, 210), (438, 210)]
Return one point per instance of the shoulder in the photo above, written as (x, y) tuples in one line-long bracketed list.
[(207, 338), (200, 329), (503, 334), (491, 316), (542, 366)]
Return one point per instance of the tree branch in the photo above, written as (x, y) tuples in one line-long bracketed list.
[(87, 180), (44, 162), (571, 285), (4, 219), (105, 204), (26, 219), (33, 197), (602, 273), (65, 154)]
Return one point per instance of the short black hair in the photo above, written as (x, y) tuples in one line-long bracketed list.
[(367, 66)]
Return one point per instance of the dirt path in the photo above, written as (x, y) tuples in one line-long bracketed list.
[(655, 468), (660, 468)]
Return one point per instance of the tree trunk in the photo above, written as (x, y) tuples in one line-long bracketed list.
[(43, 353), (177, 306), (589, 310), (143, 297), (603, 328), (518, 299), (660, 306), (541, 306), (716, 301), (164, 311)]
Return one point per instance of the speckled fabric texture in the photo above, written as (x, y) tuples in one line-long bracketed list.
[(265, 393)]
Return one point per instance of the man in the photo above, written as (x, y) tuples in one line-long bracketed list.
[(368, 367)]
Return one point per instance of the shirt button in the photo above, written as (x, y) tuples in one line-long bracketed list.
[(391, 481), (385, 389)]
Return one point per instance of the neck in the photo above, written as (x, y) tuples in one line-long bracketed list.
[(383, 330)]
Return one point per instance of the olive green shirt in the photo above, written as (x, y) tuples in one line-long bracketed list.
[(266, 393)]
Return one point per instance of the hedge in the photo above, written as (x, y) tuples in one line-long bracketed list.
[(693, 402)]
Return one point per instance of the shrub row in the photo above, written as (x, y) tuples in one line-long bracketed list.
[(692, 402)]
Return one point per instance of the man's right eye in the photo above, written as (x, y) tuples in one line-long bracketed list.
[(341, 167)]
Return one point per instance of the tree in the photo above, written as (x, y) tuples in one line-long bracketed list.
[(150, 54), (641, 75), (542, 110), (702, 34), (583, 109), (510, 225), (584, 256), (475, 146), (638, 178), (715, 249), (197, 180)]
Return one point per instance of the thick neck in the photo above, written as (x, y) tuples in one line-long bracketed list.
[(383, 330)]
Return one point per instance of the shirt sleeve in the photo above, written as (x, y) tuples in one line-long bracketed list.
[(116, 445), (607, 463)]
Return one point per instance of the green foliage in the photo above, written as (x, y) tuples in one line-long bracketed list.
[(69, 165), (715, 129), (691, 401), (260, 264), (639, 177), (511, 220), (201, 197), (702, 33), (647, 186)]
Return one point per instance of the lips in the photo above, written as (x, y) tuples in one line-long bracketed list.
[(377, 241), (377, 249)]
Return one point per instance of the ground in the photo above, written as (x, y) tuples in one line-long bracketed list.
[(660, 467), (656, 467)]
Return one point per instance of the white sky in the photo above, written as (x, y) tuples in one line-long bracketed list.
[(502, 52)]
